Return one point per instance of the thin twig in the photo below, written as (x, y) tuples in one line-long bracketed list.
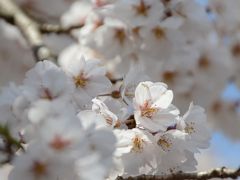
[(215, 173), (29, 28), (58, 29)]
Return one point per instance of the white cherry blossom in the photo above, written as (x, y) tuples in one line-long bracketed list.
[(152, 106), (194, 124), (110, 118), (138, 152), (89, 78), (47, 81)]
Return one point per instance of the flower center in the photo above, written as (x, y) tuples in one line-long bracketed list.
[(39, 168), (142, 9), (120, 35), (137, 144), (190, 128), (165, 143), (80, 81), (147, 111), (59, 143), (158, 32), (46, 94), (204, 62)]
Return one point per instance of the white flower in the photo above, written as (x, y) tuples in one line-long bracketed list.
[(36, 163), (103, 142), (110, 39), (194, 123), (89, 78), (174, 162), (98, 155), (62, 138), (174, 145), (171, 140), (110, 118), (47, 81), (138, 151), (136, 12), (60, 123), (153, 109)]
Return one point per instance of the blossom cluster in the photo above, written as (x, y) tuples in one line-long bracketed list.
[(179, 42), (73, 123), (104, 110), (174, 40)]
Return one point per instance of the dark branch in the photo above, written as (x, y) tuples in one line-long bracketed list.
[(29, 28), (215, 173)]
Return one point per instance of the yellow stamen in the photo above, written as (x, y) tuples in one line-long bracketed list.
[(80, 81), (164, 143), (137, 144), (190, 128), (39, 168), (147, 111), (158, 32)]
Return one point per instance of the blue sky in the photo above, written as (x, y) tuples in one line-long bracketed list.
[(203, 2), (231, 93), (227, 150)]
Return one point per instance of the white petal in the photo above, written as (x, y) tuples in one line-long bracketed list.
[(142, 93)]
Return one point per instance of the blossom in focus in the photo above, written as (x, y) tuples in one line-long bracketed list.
[(152, 106)]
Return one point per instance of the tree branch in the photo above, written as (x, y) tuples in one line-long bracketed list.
[(29, 28), (215, 173), (58, 29)]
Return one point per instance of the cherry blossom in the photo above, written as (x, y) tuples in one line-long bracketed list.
[(89, 79), (153, 109)]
